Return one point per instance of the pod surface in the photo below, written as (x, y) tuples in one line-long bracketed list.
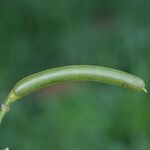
[(45, 78)]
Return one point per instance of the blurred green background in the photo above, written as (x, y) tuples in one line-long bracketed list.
[(42, 34)]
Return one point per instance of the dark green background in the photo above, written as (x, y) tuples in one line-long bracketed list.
[(41, 34)]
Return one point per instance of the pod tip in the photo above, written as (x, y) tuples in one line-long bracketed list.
[(144, 90)]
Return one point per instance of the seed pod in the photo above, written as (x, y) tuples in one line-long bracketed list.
[(45, 78)]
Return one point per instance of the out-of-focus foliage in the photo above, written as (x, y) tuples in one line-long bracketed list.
[(41, 34)]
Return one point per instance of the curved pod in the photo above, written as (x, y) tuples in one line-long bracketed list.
[(45, 78)]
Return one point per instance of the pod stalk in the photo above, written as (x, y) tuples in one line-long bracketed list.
[(4, 110), (12, 97)]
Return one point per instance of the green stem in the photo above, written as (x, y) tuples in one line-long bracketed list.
[(3, 111), (12, 97)]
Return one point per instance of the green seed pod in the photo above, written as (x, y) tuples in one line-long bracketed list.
[(45, 78)]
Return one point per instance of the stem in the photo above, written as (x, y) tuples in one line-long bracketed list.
[(12, 97), (4, 110)]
